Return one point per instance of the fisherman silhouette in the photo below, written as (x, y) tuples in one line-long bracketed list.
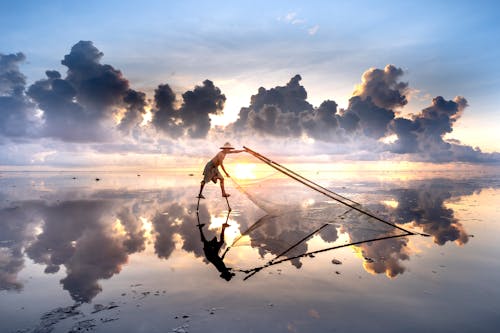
[(211, 171), (211, 249)]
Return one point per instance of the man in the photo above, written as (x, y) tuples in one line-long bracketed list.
[(211, 249), (211, 171)]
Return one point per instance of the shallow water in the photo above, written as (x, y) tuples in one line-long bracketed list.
[(125, 253)]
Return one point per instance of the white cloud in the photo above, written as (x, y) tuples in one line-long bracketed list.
[(290, 16), (313, 30), (42, 156)]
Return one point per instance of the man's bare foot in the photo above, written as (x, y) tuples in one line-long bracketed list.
[(200, 196), (225, 195)]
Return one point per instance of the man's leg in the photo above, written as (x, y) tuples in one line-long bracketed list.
[(201, 190), (224, 194)]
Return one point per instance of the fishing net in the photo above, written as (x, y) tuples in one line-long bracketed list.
[(300, 217)]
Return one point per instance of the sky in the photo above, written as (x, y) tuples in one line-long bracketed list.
[(157, 83)]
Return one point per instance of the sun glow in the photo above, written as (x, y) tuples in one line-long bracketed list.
[(389, 139), (244, 171), (118, 228), (146, 117), (147, 227), (230, 233), (391, 203)]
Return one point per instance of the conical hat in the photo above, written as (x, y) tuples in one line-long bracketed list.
[(227, 145)]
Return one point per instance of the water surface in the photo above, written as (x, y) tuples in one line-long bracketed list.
[(127, 252)]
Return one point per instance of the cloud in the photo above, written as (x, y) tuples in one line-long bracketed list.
[(192, 119), (313, 30), (373, 119), (94, 103), (135, 102), (16, 111), (74, 108), (383, 87), (12, 81), (284, 112), (422, 136), (81, 106), (293, 19)]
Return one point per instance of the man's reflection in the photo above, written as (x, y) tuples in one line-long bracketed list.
[(212, 247)]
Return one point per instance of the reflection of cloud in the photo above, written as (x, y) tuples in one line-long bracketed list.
[(76, 234), (422, 203), (424, 206), (97, 255), (177, 219), (14, 236), (385, 256), (135, 239), (79, 235), (11, 263)]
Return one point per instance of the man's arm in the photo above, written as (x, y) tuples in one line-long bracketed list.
[(234, 151), (222, 166)]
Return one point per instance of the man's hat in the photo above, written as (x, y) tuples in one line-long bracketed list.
[(227, 145)]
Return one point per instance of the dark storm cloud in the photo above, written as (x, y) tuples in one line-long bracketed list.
[(93, 102), (12, 81), (135, 102), (373, 119), (98, 86), (193, 117), (16, 111), (383, 87), (291, 97), (63, 116), (80, 107), (87, 103), (284, 112), (165, 116), (423, 135), (406, 131)]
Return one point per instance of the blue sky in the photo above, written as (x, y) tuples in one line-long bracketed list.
[(446, 48)]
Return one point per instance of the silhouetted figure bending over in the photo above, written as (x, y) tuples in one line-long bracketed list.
[(212, 248), (211, 171)]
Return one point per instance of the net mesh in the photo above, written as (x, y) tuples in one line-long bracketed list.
[(302, 218)]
